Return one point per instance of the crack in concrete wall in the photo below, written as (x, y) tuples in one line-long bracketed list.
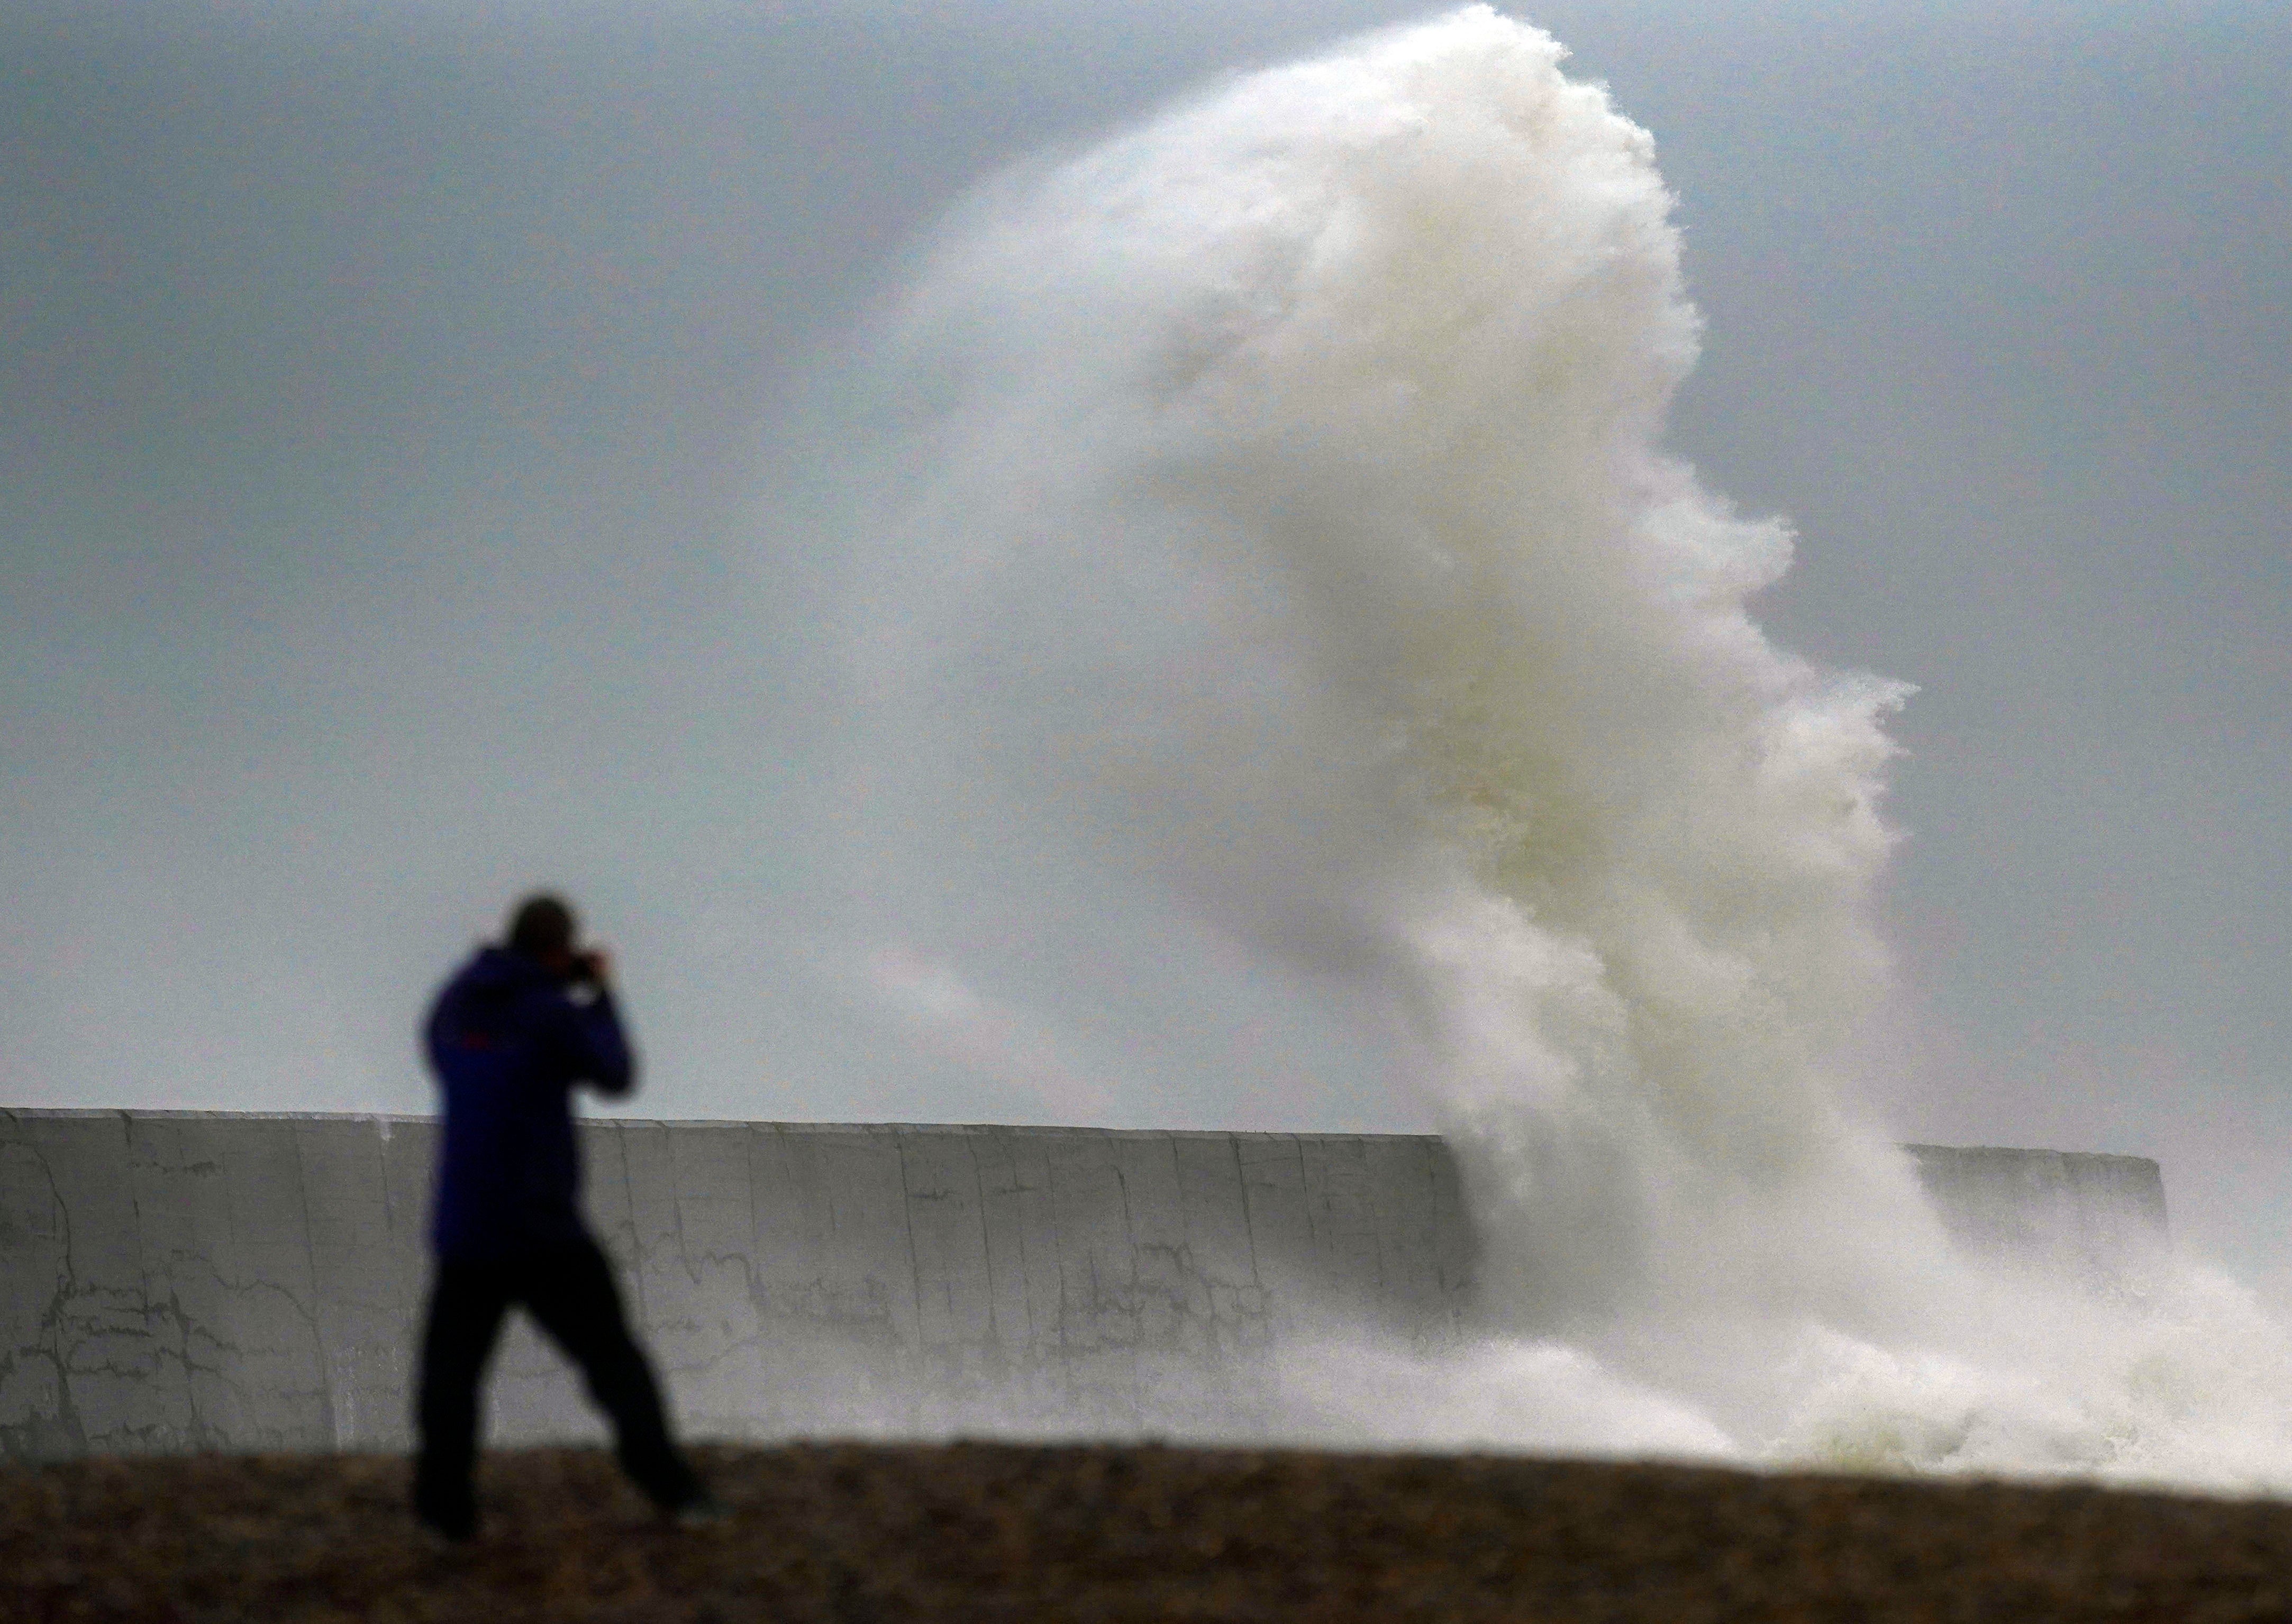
[(184, 1280)]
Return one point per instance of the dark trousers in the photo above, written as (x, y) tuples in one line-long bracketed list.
[(569, 1291)]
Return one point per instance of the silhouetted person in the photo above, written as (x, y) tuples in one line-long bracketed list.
[(511, 1035)]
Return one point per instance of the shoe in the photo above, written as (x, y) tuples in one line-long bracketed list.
[(445, 1524), (444, 1534), (703, 1510)]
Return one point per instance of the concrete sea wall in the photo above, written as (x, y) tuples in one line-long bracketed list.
[(193, 1280), (183, 1280), (2097, 1218)]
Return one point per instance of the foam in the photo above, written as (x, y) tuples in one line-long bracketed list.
[(1265, 510)]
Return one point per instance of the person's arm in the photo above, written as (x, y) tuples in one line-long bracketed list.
[(596, 1046), (606, 1062)]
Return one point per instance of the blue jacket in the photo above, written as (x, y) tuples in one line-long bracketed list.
[(508, 1043)]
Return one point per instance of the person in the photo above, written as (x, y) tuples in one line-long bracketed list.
[(510, 1036)]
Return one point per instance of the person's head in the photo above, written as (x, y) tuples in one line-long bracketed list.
[(543, 928)]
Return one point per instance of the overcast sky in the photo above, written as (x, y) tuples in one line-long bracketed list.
[(382, 523)]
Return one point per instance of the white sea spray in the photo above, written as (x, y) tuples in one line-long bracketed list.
[(1268, 506)]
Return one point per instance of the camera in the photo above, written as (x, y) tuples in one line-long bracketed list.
[(585, 970)]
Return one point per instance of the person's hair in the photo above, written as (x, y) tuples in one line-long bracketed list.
[(542, 927)]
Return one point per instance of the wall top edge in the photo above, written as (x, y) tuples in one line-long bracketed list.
[(2008, 1150), (397, 1119)]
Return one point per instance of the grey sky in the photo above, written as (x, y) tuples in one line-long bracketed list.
[(380, 404)]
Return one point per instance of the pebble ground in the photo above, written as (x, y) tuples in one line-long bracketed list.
[(853, 1533)]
